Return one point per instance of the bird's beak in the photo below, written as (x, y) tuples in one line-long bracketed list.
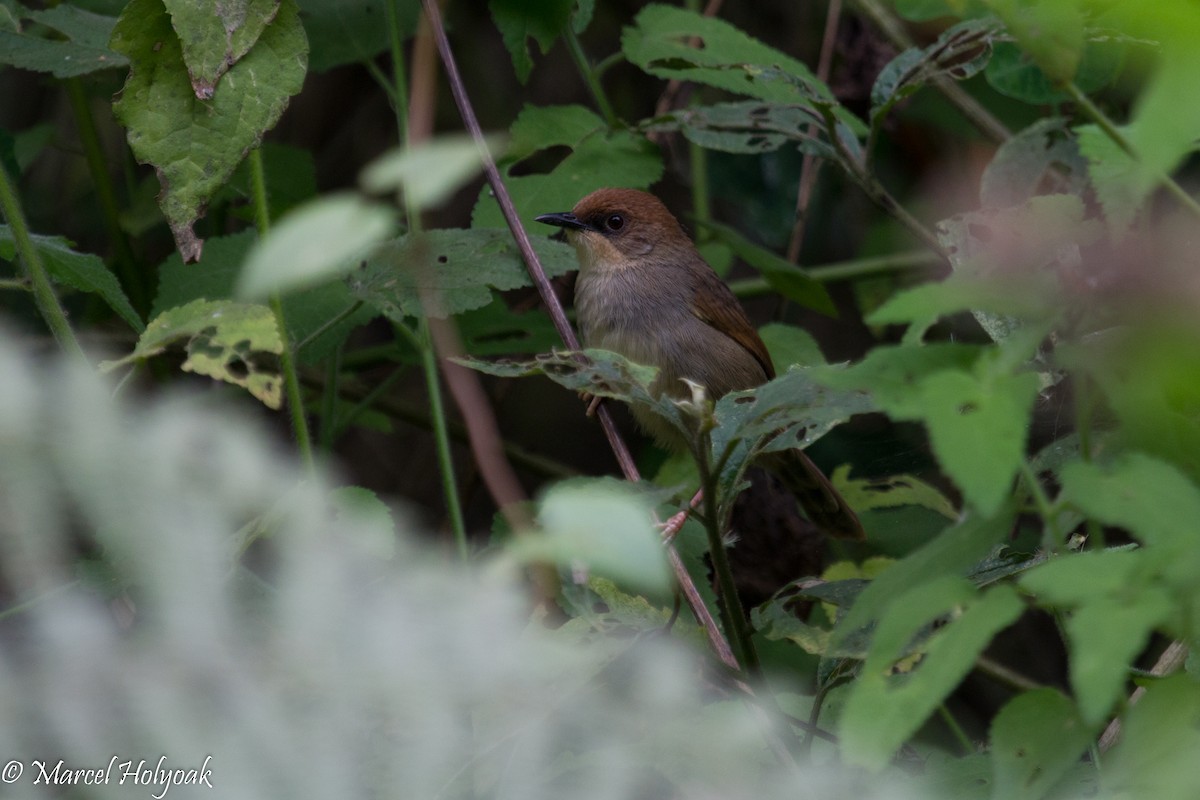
[(564, 219)]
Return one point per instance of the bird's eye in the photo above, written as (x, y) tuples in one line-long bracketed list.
[(614, 222)]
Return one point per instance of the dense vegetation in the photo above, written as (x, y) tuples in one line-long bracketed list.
[(966, 228)]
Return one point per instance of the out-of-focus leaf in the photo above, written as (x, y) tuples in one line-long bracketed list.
[(883, 710), (921, 10), (1052, 34), (1036, 739), (232, 342), (324, 239), (1145, 763), (82, 271), (214, 36), (430, 172), (451, 271), (1120, 182), (1025, 165), (1014, 72), (790, 345), (83, 50), (195, 145)]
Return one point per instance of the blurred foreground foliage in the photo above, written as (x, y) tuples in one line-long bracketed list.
[(1007, 210)]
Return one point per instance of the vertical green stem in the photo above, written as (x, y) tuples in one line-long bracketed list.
[(287, 360), (590, 77), (106, 195), (733, 616), (43, 293), (398, 77)]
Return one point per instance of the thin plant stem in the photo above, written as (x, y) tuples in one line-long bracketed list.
[(329, 397), (1093, 112), (964, 741), (107, 197), (398, 88), (590, 77), (845, 270), (43, 292), (16, 284), (287, 360), (1005, 675), (329, 324), (1046, 509)]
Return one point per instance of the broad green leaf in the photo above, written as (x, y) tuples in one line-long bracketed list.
[(790, 345), (1036, 739), (324, 239), (891, 372), (522, 20), (749, 127), (362, 506), (775, 622), (195, 145), (953, 552), (448, 271), (884, 710), (864, 494), (604, 526), (232, 342), (1080, 578), (1160, 737), (784, 277), (671, 42), (1050, 33), (1024, 166), (215, 36), (429, 173), (1151, 499), (959, 53), (349, 31), (598, 158), (214, 277), (496, 329), (82, 271), (1015, 73), (1120, 181), (84, 48)]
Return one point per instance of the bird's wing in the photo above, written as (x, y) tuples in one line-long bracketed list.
[(716, 306)]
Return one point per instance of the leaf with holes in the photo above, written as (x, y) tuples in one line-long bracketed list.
[(1042, 156), (233, 342), (865, 494), (522, 20), (959, 53), (597, 158), (447, 271), (195, 145), (82, 50)]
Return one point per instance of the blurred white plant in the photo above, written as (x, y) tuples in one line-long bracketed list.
[(337, 658)]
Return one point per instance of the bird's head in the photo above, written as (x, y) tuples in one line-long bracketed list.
[(615, 228)]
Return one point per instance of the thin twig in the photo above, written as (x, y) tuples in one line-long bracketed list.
[(809, 165), (559, 316), (1171, 659)]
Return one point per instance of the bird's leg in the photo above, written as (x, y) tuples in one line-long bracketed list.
[(670, 529), (593, 402)]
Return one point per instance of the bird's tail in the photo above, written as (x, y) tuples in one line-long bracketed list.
[(822, 503)]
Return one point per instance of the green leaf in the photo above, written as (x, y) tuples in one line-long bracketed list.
[(1036, 739), (955, 550), (429, 173), (882, 710), (671, 42), (602, 525), (232, 342), (496, 329), (783, 276), (213, 279), (978, 425), (450, 271), (522, 20), (1026, 163), (83, 50), (1050, 33), (921, 10), (1121, 183), (82, 271), (959, 53), (349, 31), (1015, 72), (790, 345), (214, 37), (1160, 737), (598, 158), (195, 144), (865, 494), (324, 239), (891, 372)]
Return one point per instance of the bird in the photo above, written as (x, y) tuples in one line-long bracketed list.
[(646, 293)]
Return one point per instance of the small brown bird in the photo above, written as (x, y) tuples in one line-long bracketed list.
[(646, 293)]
